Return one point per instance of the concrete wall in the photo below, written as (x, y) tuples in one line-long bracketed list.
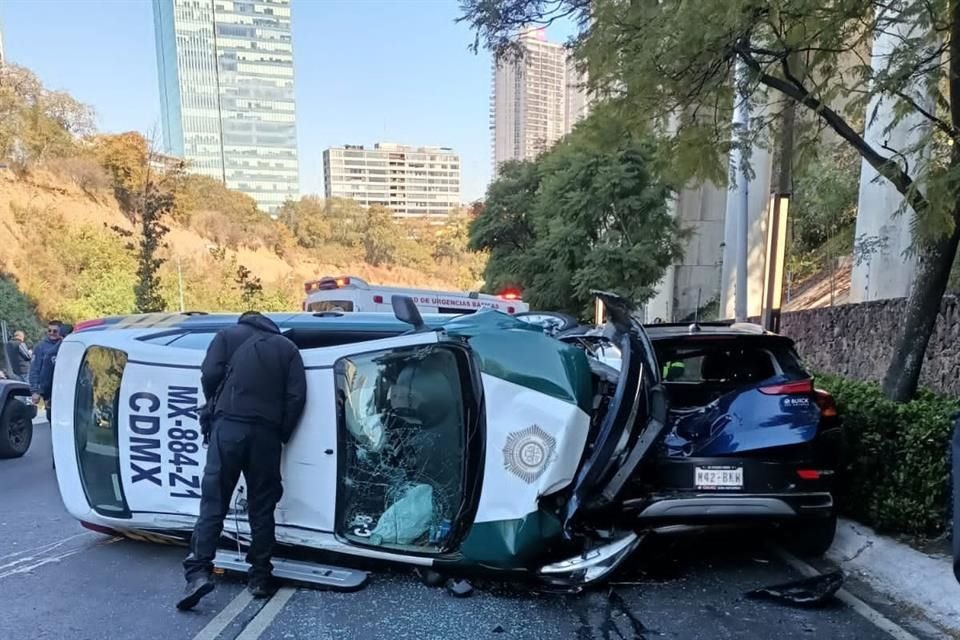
[(856, 340), (698, 274), (701, 209), (882, 270)]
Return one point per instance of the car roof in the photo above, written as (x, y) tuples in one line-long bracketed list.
[(678, 330)]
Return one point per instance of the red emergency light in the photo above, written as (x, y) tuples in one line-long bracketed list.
[(510, 294)]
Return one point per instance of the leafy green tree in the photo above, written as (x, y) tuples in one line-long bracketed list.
[(18, 310), (672, 61), (306, 219), (381, 241), (505, 226), (589, 214), (147, 196)]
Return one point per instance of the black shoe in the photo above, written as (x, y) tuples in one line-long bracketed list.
[(260, 589), (196, 588)]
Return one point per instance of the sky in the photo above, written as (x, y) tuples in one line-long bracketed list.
[(366, 71)]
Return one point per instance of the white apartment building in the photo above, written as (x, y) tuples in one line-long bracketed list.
[(537, 99), (411, 181)]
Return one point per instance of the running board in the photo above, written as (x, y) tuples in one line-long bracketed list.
[(320, 575)]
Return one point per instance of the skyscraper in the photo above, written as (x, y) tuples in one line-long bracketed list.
[(411, 181), (536, 99), (226, 92)]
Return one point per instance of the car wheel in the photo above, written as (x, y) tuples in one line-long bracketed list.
[(811, 537), (16, 429)]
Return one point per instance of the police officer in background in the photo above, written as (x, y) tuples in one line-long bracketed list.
[(254, 381)]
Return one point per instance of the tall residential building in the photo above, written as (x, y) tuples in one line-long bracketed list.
[(412, 181), (536, 99), (226, 92)]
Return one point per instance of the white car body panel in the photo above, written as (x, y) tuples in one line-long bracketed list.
[(158, 381)]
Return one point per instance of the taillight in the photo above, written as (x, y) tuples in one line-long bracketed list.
[(828, 407), (378, 299), (788, 388), (808, 474)]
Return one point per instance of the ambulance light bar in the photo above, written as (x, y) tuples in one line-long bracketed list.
[(326, 284)]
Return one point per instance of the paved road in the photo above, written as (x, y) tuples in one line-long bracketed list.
[(59, 581)]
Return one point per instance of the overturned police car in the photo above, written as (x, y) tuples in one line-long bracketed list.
[(457, 443)]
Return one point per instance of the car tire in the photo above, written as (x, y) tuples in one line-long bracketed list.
[(811, 537), (16, 429)]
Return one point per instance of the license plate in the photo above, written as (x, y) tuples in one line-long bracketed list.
[(718, 477)]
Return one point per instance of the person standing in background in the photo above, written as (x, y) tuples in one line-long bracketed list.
[(44, 361), (19, 356)]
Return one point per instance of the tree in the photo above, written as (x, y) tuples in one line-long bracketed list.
[(306, 219), (147, 196), (380, 236), (37, 124), (504, 225), (673, 60), (195, 193), (589, 214)]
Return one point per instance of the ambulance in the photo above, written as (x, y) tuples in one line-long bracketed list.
[(350, 293)]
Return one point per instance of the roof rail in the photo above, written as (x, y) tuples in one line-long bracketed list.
[(711, 323)]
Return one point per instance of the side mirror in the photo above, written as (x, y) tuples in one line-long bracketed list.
[(406, 311)]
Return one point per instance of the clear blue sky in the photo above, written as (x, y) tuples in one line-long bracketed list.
[(366, 71)]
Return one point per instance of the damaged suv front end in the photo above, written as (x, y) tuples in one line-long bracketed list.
[(555, 471)]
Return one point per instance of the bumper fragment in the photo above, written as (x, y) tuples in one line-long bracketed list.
[(590, 567)]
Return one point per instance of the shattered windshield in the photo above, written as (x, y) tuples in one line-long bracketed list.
[(401, 422)]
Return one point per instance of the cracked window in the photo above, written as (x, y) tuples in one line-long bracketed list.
[(401, 421)]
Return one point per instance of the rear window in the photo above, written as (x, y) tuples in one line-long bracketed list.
[(321, 306), (727, 361), (96, 410)]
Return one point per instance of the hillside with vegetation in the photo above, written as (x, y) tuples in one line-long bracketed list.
[(95, 224)]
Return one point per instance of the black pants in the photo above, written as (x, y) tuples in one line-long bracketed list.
[(236, 448)]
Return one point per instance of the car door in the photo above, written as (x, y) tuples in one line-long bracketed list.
[(634, 420), (410, 442)]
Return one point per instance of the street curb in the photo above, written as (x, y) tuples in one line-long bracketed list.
[(911, 577)]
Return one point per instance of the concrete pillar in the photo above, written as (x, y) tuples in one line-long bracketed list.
[(880, 269), (761, 161)]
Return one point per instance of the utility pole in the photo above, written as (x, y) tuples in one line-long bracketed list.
[(741, 126)]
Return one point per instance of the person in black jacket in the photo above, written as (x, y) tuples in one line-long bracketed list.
[(19, 356), (254, 380)]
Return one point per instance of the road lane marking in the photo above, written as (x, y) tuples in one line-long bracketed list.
[(223, 619), (39, 561), (46, 548), (872, 615), (266, 615)]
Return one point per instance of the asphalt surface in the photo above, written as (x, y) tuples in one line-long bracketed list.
[(58, 580)]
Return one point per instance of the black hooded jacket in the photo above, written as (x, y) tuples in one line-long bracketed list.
[(265, 384)]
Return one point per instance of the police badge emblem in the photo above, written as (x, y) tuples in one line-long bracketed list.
[(528, 453)]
